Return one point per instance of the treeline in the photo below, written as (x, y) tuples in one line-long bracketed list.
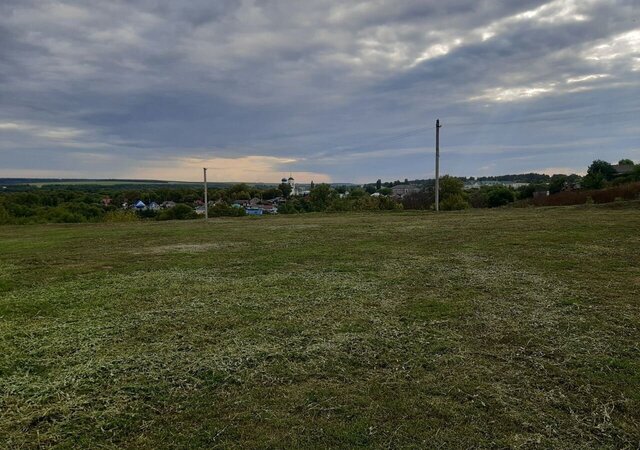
[(603, 182), (530, 178), (453, 196), (88, 203), (324, 198), (77, 203)]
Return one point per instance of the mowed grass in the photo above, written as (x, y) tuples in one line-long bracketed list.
[(511, 328)]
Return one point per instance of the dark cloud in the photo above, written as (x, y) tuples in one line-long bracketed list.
[(341, 90)]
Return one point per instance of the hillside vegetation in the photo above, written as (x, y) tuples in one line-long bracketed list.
[(491, 328)]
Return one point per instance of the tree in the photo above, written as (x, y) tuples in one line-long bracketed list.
[(593, 181), (272, 193), (454, 202), (452, 193), (450, 186), (320, 197), (285, 188), (341, 189), (626, 162), (240, 187), (557, 183), (527, 191), (223, 210), (312, 185), (479, 198), (500, 196), (603, 168), (378, 184), (358, 192), (418, 200), (178, 212), (4, 215)]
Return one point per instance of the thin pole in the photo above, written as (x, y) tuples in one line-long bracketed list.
[(438, 164), (206, 202)]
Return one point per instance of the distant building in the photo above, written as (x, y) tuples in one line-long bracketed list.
[(400, 190), (139, 205), (253, 211), (623, 169), (269, 209), (168, 204), (201, 209), (515, 185), (153, 206), (478, 184)]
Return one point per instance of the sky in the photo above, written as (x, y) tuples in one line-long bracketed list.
[(327, 90)]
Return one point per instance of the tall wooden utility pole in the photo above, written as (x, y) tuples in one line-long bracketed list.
[(206, 201), (438, 164)]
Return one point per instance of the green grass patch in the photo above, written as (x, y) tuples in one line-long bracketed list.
[(510, 328)]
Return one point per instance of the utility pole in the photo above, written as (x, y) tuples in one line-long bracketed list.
[(438, 126), (206, 202)]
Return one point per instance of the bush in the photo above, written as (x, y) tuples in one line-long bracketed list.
[(454, 202), (178, 212), (4, 216), (500, 196), (120, 216), (479, 198), (389, 204), (418, 200), (147, 214), (223, 210), (628, 191)]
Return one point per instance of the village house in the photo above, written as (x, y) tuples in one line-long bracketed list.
[(623, 169), (253, 211), (400, 190), (241, 203), (269, 209)]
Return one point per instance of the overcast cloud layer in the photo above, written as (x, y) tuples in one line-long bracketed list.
[(330, 90)]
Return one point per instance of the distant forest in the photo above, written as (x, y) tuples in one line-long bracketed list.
[(529, 178)]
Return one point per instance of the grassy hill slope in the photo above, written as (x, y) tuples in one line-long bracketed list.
[(490, 328)]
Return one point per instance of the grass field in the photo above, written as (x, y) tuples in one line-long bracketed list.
[(510, 328)]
